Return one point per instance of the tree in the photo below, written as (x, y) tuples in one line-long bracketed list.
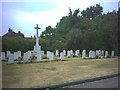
[(48, 31), (76, 12), (70, 12), (93, 12)]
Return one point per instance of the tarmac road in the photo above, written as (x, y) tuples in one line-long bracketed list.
[(104, 83)]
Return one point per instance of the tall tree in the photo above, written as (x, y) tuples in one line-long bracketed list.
[(70, 12), (76, 12), (92, 12)]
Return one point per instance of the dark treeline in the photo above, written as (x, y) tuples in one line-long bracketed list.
[(89, 29), (17, 43)]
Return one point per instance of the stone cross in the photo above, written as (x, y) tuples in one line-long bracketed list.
[(37, 41)]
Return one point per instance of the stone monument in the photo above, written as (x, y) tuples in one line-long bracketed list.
[(37, 47)]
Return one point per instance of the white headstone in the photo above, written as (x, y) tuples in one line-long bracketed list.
[(8, 53), (64, 51), (106, 54), (25, 57), (68, 54), (112, 53), (93, 54), (61, 56), (29, 54), (84, 54), (48, 54), (42, 53), (99, 52), (19, 53), (51, 56), (57, 53), (90, 54), (0, 56), (71, 52), (102, 53), (76, 53), (39, 58), (3, 55), (11, 59), (96, 52), (15, 55)]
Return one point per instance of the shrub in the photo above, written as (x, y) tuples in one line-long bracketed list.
[(44, 57)]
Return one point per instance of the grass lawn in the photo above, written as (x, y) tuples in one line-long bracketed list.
[(35, 75)]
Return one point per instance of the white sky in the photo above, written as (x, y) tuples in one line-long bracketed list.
[(25, 20)]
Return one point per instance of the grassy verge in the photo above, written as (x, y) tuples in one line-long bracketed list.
[(55, 72)]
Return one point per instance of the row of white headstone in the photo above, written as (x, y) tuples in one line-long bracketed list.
[(99, 53), (15, 54), (50, 55), (11, 56), (68, 53), (27, 55)]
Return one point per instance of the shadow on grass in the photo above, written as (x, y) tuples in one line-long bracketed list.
[(37, 62)]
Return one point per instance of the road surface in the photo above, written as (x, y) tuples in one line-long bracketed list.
[(104, 83)]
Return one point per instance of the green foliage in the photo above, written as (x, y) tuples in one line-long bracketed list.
[(92, 12), (17, 43), (76, 12), (92, 30), (44, 57), (74, 56), (70, 12)]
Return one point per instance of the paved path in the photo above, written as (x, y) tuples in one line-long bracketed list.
[(105, 83)]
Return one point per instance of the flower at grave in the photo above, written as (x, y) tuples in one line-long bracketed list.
[(33, 57)]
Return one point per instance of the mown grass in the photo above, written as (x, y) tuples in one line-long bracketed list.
[(56, 72)]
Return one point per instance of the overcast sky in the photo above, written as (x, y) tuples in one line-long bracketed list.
[(23, 16)]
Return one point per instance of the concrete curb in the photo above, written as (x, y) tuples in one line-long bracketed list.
[(80, 81)]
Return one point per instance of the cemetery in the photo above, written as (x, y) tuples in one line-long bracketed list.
[(79, 47), (40, 74), (50, 68), (36, 54)]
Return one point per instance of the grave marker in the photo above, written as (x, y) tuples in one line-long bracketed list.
[(51, 56), (3, 55), (112, 53), (61, 56), (8, 53), (57, 53), (19, 53), (64, 51), (11, 59), (106, 54), (90, 54), (84, 54), (15, 55), (68, 54)]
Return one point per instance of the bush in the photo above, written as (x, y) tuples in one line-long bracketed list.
[(96, 57), (44, 57), (74, 55), (80, 55), (108, 56)]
